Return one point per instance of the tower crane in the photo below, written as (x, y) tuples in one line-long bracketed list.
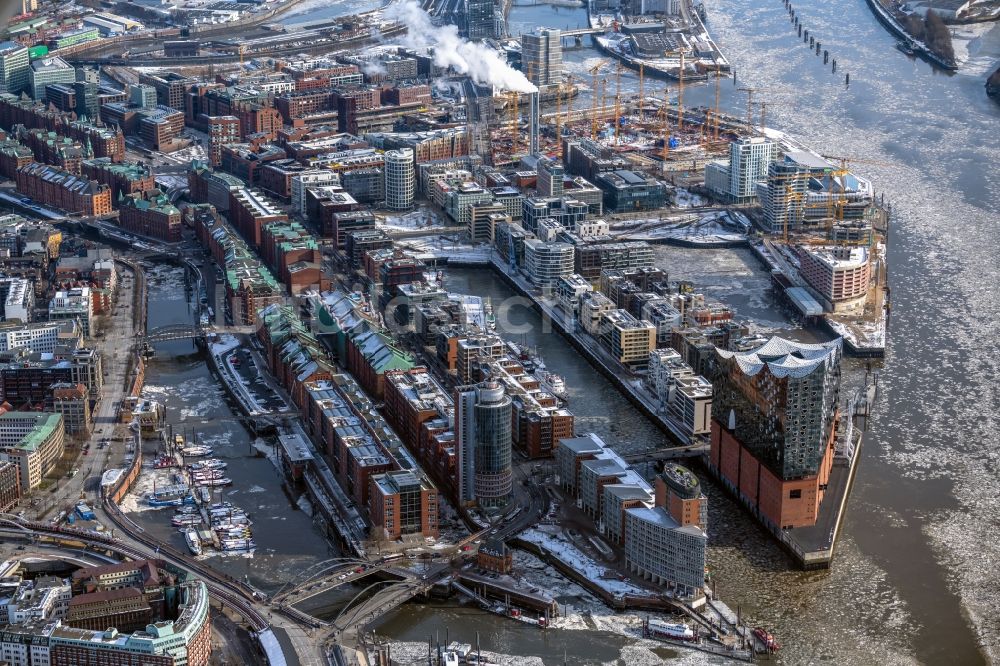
[(593, 101), (680, 87), (618, 100)]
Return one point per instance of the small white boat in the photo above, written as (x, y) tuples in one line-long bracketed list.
[(196, 451), (193, 541), (178, 521), (212, 483)]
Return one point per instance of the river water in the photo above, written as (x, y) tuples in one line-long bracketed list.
[(287, 540)]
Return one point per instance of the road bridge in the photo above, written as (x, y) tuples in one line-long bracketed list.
[(579, 32), (192, 331)]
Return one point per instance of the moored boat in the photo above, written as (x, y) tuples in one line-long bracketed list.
[(193, 541)]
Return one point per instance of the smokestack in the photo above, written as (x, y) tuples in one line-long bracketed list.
[(533, 118)]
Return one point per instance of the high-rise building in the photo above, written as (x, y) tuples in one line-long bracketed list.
[(749, 160), (49, 70), (483, 435), (14, 68), (400, 179), (550, 177), (87, 89), (774, 421), (479, 19), (541, 58)]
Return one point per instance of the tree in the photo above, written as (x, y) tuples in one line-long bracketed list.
[(938, 36)]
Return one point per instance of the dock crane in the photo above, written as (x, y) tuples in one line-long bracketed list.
[(593, 100)]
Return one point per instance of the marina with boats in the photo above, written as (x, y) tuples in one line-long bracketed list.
[(192, 479)]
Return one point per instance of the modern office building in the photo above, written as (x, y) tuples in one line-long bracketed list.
[(142, 96), (550, 177), (628, 191), (479, 18), (15, 69), (546, 263), (400, 179), (541, 57), (483, 438), (49, 70), (775, 412)]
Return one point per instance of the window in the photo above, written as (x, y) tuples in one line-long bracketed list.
[(795, 494)]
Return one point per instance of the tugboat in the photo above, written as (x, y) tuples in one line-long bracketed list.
[(674, 631), (767, 639)]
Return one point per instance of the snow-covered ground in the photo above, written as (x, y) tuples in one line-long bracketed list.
[(422, 218), (686, 199), (551, 538), (714, 228)]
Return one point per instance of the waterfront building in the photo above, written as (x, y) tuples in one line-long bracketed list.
[(590, 259), (593, 307), (400, 179), (483, 439), (150, 214), (749, 160), (546, 263), (483, 219), (627, 339), (840, 275), (33, 441), (662, 551), (569, 291), (45, 71), (541, 60), (404, 504), (775, 415), (493, 555), (52, 186), (123, 178), (14, 68)]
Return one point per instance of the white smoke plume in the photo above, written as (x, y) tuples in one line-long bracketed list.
[(482, 64)]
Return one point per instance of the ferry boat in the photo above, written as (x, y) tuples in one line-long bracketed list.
[(193, 541), (491, 320), (196, 451), (185, 520), (552, 383), (677, 631)]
